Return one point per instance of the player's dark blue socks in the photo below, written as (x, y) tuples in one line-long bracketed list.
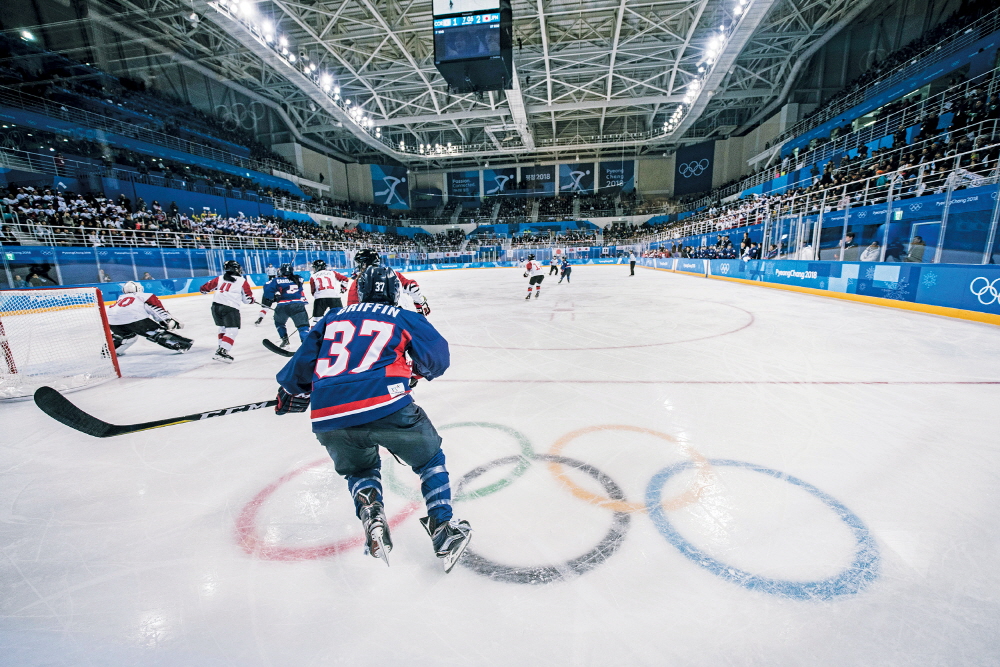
[(436, 488), (366, 479)]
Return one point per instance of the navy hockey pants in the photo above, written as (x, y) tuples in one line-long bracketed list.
[(406, 433), (296, 310)]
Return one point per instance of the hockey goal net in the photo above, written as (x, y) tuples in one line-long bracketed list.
[(57, 337)]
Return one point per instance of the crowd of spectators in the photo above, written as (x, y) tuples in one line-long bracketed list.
[(951, 28), (35, 71)]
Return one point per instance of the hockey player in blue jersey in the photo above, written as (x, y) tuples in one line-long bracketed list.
[(567, 270), (353, 370), (286, 291)]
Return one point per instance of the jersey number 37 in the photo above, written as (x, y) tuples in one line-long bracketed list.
[(338, 359)]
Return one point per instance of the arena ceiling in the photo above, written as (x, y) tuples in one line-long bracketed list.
[(598, 78)]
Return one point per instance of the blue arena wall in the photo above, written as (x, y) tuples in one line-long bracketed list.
[(964, 287)]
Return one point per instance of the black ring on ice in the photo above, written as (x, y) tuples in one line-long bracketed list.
[(548, 574)]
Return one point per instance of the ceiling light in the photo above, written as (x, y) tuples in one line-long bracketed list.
[(283, 41), (291, 57), (325, 81), (27, 36)]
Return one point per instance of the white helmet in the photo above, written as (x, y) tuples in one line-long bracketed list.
[(131, 287)]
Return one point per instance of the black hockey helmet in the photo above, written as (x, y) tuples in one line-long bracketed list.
[(531, 256), (378, 284), (319, 265), (286, 270), (365, 258), (232, 266)]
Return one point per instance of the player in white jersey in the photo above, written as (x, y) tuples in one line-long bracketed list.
[(136, 313), (554, 265), (326, 287), (231, 291), (533, 272)]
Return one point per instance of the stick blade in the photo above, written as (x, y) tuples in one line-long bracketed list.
[(277, 350), (57, 406)]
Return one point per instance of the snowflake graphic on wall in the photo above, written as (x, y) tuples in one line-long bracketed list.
[(870, 273), (822, 284), (898, 291), (929, 279)]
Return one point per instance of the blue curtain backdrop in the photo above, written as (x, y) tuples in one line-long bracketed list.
[(463, 186), (499, 181), (540, 179), (693, 168)]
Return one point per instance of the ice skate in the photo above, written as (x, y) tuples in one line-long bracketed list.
[(378, 542), (259, 320), (449, 539), (284, 341), (223, 356), (538, 293), (528, 297)]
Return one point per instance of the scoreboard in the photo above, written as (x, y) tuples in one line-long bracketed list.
[(472, 44)]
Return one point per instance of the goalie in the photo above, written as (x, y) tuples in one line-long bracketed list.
[(136, 313)]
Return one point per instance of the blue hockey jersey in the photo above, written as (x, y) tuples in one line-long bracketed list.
[(354, 361), (281, 290)]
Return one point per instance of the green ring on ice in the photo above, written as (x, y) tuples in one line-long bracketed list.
[(523, 463)]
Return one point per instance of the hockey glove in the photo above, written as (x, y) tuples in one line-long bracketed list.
[(290, 403), (423, 307), (174, 324), (416, 377)]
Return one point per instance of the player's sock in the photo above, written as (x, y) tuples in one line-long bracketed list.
[(366, 479), (227, 338), (435, 487)]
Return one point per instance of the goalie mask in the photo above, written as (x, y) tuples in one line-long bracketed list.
[(131, 287)]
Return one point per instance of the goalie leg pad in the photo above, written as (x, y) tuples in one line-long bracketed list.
[(171, 341)]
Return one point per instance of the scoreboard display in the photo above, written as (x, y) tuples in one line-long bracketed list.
[(472, 44), (470, 36)]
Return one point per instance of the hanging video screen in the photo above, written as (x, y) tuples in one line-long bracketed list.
[(465, 37), (446, 7)]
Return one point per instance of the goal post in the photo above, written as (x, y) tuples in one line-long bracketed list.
[(57, 337)]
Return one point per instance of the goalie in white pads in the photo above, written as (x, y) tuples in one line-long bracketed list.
[(137, 313)]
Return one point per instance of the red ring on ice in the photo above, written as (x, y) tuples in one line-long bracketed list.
[(251, 542), (622, 347)]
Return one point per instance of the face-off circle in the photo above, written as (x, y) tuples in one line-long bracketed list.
[(546, 574)]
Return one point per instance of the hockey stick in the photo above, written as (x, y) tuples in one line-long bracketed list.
[(57, 406), (277, 350)]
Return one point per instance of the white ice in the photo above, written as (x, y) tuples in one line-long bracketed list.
[(222, 542)]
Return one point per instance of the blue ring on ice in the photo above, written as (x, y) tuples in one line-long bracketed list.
[(861, 572)]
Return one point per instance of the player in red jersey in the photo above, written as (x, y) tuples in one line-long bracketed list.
[(231, 291), (136, 313), (365, 258), (533, 272)]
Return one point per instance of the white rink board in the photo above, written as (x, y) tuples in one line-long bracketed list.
[(149, 549)]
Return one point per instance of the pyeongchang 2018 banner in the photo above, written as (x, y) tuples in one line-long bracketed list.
[(389, 186), (576, 178), (693, 168), (541, 180), (499, 181), (463, 186), (616, 176)]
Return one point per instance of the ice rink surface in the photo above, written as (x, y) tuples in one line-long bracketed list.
[(659, 470)]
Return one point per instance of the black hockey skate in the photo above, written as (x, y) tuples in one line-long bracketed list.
[(259, 320), (223, 356), (378, 542), (529, 296), (449, 539), (284, 342)]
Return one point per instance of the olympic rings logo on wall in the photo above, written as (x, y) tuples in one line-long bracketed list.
[(862, 570), (693, 168), (988, 289)]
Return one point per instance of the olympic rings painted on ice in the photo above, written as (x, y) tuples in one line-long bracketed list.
[(862, 570), (524, 462), (690, 496), (544, 574), (248, 537)]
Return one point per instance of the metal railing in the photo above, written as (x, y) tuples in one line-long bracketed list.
[(946, 174), (932, 54), (88, 119)]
